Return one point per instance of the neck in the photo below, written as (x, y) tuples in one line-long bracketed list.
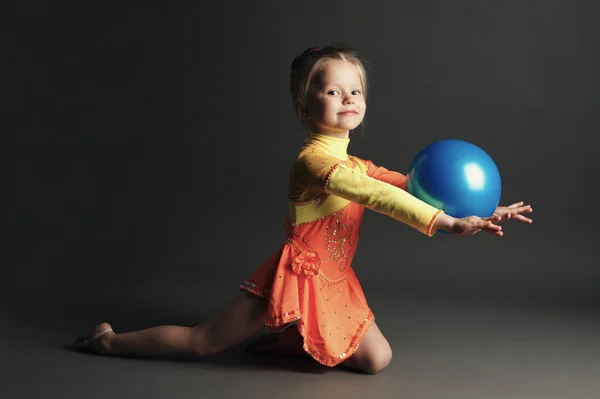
[(341, 135), (333, 145)]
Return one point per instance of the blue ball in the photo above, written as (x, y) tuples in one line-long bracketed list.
[(455, 176)]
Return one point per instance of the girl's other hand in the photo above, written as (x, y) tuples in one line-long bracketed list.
[(514, 211)]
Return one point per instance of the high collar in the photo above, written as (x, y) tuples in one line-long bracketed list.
[(332, 145)]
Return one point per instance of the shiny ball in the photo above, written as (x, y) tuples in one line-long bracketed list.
[(457, 177)]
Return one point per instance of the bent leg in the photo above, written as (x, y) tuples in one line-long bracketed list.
[(288, 343), (373, 354), (242, 317)]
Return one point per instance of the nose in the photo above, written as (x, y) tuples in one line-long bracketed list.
[(349, 100)]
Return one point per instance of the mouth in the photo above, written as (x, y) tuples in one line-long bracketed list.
[(349, 113)]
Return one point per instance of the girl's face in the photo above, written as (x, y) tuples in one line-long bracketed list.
[(336, 103)]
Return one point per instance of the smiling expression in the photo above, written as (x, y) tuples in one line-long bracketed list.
[(336, 101)]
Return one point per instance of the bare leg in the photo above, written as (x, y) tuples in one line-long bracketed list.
[(242, 317), (373, 354)]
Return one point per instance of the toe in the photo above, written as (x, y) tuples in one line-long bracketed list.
[(85, 341), (101, 327)]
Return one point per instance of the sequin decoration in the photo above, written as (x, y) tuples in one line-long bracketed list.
[(278, 321), (330, 281), (251, 287), (332, 360), (341, 238), (329, 307)]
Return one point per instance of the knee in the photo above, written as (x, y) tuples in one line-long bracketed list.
[(201, 344), (377, 361)]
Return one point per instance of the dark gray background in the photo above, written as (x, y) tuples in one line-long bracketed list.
[(150, 143), (148, 146)]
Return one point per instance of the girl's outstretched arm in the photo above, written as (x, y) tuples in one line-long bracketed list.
[(400, 205), (382, 197)]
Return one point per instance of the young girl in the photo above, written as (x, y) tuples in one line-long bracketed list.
[(308, 283)]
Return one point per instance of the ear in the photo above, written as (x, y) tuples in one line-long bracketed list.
[(302, 112)]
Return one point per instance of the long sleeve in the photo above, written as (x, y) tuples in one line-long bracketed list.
[(382, 197)]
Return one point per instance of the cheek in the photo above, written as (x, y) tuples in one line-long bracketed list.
[(319, 103), (314, 108), (325, 108)]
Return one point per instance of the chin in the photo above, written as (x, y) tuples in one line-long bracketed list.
[(350, 127)]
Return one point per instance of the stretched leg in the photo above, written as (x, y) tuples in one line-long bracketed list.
[(373, 354), (242, 317)]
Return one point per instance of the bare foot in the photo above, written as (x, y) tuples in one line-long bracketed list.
[(97, 340)]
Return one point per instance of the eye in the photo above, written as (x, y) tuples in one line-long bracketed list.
[(355, 92), (333, 92)]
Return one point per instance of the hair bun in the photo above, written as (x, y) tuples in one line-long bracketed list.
[(306, 54)]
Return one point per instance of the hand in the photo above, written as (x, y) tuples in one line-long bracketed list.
[(514, 211), (471, 225), (468, 226)]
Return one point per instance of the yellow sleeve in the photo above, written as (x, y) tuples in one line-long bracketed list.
[(383, 198), (312, 169)]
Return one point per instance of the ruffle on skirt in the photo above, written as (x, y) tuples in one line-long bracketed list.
[(332, 315)]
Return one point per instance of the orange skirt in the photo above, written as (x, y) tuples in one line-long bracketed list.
[(332, 314)]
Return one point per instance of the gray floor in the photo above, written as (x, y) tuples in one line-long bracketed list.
[(443, 348)]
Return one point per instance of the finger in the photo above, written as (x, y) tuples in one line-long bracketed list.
[(516, 204), (526, 208), (496, 230), (487, 225), (523, 219), (494, 218), (493, 227), (496, 233)]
